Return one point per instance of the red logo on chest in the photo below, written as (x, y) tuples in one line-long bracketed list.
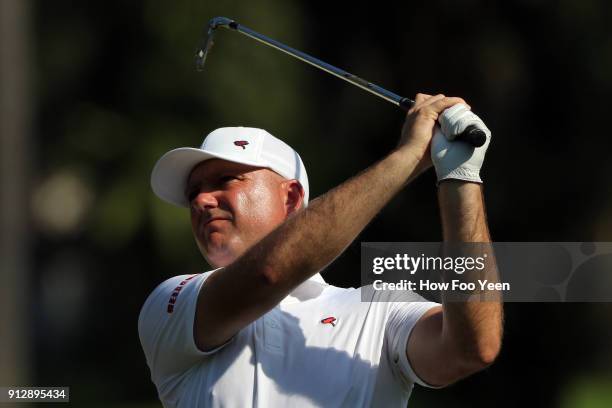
[(329, 320), (241, 143)]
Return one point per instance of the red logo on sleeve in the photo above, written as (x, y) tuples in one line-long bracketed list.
[(176, 291), (241, 143), (329, 320)]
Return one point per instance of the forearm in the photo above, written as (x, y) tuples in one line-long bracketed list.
[(471, 327)]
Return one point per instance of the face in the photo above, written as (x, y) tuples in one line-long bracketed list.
[(233, 206)]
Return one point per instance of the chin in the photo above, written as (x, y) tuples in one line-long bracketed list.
[(220, 253), (219, 259)]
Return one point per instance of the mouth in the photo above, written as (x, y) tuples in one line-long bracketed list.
[(213, 222), (208, 223), (214, 219)]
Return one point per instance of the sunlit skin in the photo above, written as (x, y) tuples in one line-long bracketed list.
[(233, 206)]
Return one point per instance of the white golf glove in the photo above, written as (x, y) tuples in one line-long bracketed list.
[(456, 159)]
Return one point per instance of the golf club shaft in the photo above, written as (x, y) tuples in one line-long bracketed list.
[(471, 135), (404, 103)]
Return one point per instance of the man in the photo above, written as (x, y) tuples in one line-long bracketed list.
[(263, 329)]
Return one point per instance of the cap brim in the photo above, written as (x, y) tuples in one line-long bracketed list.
[(169, 176)]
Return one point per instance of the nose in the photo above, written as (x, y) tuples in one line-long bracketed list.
[(205, 200)]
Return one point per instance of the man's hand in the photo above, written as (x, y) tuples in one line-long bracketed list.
[(418, 129), (454, 159)]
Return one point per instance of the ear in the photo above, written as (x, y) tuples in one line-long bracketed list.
[(293, 195)]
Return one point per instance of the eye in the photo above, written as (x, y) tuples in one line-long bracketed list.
[(192, 194), (227, 179)]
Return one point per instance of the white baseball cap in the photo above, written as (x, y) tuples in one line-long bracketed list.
[(251, 146)]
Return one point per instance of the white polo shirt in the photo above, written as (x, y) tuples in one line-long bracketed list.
[(321, 346)]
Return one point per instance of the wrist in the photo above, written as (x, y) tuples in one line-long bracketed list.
[(406, 164), (414, 150), (460, 174), (456, 189), (462, 211)]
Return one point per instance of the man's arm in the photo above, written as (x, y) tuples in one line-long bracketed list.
[(236, 295), (460, 338)]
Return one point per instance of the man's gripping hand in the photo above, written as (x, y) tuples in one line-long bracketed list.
[(418, 129), (455, 159)]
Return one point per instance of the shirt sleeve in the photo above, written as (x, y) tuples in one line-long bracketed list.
[(402, 319), (165, 327)]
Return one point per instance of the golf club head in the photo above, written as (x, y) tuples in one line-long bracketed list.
[(208, 42)]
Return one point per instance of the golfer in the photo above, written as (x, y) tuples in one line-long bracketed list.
[(263, 329)]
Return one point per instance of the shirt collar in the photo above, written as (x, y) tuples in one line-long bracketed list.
[(308, 289)]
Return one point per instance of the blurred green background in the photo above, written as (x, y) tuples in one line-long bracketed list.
[(92, 93)]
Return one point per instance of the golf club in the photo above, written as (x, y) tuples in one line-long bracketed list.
[(471, 134)]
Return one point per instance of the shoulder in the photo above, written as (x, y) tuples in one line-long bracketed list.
[(164, 298)]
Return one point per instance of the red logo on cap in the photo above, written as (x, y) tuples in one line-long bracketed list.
[(241, 143), (329, 320)]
